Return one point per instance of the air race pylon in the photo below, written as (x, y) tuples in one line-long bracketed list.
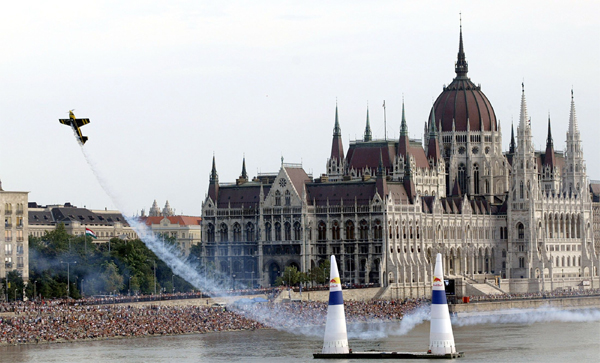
[(336, 337), (441, 339)]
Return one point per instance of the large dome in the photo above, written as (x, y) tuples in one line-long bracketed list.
[(463, 101)]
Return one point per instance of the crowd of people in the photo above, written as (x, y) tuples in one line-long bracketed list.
[(60, 320), (536, 295), (112, 317)]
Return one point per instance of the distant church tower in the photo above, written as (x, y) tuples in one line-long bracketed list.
[(154, 210)]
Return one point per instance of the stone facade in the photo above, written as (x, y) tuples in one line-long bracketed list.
[(522, 219), (14, 247)]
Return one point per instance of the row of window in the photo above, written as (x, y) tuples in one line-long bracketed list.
[(8, 235), (8, 208)]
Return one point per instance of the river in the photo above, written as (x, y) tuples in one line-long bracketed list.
[(507, 339)]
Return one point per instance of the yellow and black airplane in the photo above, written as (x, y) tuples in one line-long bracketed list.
[(76, 123)]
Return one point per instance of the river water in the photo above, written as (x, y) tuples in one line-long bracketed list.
[(506, 339)]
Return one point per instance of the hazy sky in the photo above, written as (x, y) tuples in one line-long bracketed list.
[(167, 84)]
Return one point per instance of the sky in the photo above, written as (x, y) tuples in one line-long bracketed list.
[(167, 85)]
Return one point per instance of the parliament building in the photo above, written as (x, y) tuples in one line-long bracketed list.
[(505, 221)]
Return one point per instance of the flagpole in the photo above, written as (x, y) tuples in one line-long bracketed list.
[(384, 123)]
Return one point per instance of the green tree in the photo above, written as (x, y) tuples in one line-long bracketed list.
[(291, 276), (113, 281)]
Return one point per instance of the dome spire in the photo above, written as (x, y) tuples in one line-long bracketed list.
[(461, 67)]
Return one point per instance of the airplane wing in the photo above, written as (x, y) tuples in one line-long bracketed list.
[(82, 121), (65, 121)]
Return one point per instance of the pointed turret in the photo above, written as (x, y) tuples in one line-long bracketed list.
[(523, 118), (461, 67), (549, 158), (213, 185), (244, 176), (337, 149), (404, 142), (575, 176), (154, 210), (336, 162), (513, 146), (167, 210), (336, 336), (433, 146), (244, 173), (368, 134), (441, 338)]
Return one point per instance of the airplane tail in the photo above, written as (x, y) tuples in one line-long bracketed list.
[(83, 139)]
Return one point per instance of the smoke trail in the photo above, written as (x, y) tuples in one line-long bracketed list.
[(529, 316), (172, 257), (414, 318)]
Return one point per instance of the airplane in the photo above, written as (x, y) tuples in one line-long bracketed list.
[(76, 123)]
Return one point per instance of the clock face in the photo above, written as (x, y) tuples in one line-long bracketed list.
[(282, 182), (475, 150), (461, 150)]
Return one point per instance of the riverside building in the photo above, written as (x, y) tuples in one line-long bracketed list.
[(515, 221)]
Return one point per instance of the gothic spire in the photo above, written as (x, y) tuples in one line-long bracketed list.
[(337, 131), (403, 127), (213, 173), (573, 128), (549, 141), (337, 149), (403, 143), (461, 67), (244, 174), (433, 146), (512, 148), (368, 134), (523, 119)]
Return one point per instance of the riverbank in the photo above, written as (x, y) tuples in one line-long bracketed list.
[(572, 302)]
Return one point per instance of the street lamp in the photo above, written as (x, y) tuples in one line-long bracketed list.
[(82, 288), (129, 290), (154, 261), (233, 282), (68, 277), (173, 282), (34, 292)]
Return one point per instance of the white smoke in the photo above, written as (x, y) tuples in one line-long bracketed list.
[(528, 316)]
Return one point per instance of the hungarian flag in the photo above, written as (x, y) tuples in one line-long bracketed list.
[(89, 232)]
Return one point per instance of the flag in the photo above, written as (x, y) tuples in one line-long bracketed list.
[(89, 232)]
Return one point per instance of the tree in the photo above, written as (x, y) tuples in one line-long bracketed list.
[(291, 276), (113, 281)]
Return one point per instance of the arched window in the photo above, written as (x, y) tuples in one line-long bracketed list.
[(268, 236), (377, 231), (476, 178), (250, 232), (288, 198), (288, 231), (462, 179), (335, 231), (277, 231), (322, 231), (210, 233), (237, 232), (349, 230), (521, 190), (520, 230), (363, 230), (277, 198), (223, 231), (297, 231)]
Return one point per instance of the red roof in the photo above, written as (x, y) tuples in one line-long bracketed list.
[(181, 220)]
